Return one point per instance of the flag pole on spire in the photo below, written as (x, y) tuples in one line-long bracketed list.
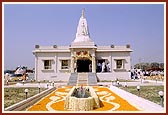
[(83, 12)]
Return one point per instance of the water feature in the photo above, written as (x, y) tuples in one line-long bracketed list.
[(81, 92), (81, 98)]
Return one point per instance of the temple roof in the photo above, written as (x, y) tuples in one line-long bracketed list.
[(82, 34)]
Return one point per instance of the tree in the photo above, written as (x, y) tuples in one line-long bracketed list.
[(149, 66), (137, 66), (154, 65), (143, 66), (161, 65)]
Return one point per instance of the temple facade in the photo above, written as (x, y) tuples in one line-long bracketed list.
[(58, 63)]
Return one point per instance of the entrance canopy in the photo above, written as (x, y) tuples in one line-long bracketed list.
[(83, 61), (82, 55)]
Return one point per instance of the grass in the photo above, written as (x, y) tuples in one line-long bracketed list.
[(120, 80), (15, 95), (11, 83), (147, 92)]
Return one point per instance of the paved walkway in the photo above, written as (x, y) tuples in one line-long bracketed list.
[(135, 83), (35, 85), (140, 103)]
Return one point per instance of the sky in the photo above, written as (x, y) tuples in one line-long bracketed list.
[(27, 25)]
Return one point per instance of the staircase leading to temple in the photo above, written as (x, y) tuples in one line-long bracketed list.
[(73, 79), (82, 79), (92, 79)]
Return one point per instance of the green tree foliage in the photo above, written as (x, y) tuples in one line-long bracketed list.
[(147, 66), (154, 65), (161, 65)]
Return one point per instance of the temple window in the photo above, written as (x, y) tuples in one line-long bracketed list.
[(120, 64), (47, 64), (65, 64)]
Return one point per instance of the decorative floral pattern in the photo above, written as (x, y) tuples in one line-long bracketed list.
[(82, 54), (109, 101), (110, 98)]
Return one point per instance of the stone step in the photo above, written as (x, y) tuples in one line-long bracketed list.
[(82, 78), (92, 79), (73, 79)]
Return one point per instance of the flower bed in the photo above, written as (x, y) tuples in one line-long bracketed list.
[(117, 103), (109, 101)]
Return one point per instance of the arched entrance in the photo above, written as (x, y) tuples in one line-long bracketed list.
[(83, 61), (84, 65)]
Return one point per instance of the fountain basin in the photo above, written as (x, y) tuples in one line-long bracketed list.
[(81, 100)]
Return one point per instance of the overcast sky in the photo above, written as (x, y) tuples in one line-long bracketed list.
[(26, 25)]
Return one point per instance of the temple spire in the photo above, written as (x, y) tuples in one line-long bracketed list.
[(82, 34)]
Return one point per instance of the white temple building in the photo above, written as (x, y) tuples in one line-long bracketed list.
[(82, 62)]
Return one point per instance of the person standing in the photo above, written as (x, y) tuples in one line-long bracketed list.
[(103, 66), (75, 67), (90, 67), (129, 74), (108, 67)]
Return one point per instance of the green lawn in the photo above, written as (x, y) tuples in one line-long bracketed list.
[(147, 92), (120, 80), (15, 95)]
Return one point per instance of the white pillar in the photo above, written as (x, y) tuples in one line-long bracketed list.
[(93, 64), (56, 65), (72, 60), (72, 64), (36, 66), (110, 63)]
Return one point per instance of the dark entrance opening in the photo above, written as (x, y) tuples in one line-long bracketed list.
[(84, 65)]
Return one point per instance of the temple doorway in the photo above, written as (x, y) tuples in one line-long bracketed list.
[(84, 65)]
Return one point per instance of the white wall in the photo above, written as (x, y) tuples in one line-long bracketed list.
[(111, 57), (62, 56), (112, 76), (121, 55), (55, 73)]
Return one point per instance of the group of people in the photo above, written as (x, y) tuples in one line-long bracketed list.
[(103, 67), (138, 73)]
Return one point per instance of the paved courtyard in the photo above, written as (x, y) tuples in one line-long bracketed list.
[(113, 98)]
